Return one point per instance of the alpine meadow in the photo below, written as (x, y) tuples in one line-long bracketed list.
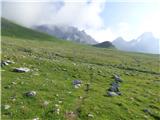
[(49, 77)]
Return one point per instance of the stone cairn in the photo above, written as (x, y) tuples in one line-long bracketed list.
[(114, 88)]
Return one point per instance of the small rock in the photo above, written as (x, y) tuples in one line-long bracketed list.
[(64, 69), (31, 94), (21, 70), (90, 115), (10, 62), (145, 116), (56, 110), (13, 83), (59, 102), (7, 62), (75, 82), (77, 86), (80, 97), (147, 111), (74, 64), (115, 84), (21, 82), (36, 118), (6, 107), (131, 98), (4, 64), (111, 94), (117, 78), (13, 98), (113, 89), (119, 93), (56, 105), (70, 115), (22, 107), (45, 103), (127, 73)]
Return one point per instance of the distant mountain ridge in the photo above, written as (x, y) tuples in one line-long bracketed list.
[(146, 43), (67, 33)]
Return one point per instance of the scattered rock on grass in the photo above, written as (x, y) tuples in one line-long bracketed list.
[(31, 94), (60, 102), (21, 70), (6, 107), (36, 118), (70, 115), (77, 86), (111, 94), (7, 62), (13, 83), (146, 111), (77, 83), (117, 78), (56, 110), (45, 103), (113, 89), (13, 98), (90, 115), (115, 84)]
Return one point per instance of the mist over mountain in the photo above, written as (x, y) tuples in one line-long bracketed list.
[(67, 33), (146, 43)]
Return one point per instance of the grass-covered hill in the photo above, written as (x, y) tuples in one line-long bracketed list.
[(14, 30), (55, 64)]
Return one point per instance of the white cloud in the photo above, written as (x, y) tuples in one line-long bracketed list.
[(123, 30), (101, 35), (151, 24), (84, 14)]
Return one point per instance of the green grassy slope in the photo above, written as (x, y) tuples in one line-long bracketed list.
[(54, 65), (14, 30)]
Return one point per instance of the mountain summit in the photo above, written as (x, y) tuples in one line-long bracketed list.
[(146, 43), (67, 33)]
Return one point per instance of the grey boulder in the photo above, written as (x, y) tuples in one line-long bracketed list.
[(21, 70), (31, 94)]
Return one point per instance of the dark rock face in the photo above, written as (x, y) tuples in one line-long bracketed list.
[(105, 44), (67, 33)]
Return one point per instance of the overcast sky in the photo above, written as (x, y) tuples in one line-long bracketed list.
[(102, 19)]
